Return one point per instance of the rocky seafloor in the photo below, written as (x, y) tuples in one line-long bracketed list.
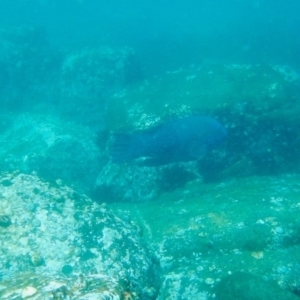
[(233, 240), (75, 226), (58, 244), (203, 234)]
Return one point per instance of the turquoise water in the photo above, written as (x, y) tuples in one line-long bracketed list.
[(76, 225)]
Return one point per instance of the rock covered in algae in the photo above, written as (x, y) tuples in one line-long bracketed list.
[(57, 232), (41, 287), (88, 76), (53, 148), (257, 104), (135, 183), (209, 87), (242, 285), (253, 223)]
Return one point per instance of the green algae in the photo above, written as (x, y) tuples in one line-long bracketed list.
[(182, 92), (246, 286), (257, 105), (250, 224), (238, 200)]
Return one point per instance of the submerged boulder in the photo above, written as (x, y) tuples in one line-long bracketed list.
[(52, 148), (56, 239), (207, 89), (242, 285), (257, 104), (89, 76), (204, 232), (133, 183)]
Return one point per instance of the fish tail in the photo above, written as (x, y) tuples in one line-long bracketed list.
[(121, 149)]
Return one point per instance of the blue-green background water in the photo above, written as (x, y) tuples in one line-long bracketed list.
[(169, 33), (73, 73)]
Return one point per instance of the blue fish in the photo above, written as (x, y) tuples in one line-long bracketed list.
[(180, 140)]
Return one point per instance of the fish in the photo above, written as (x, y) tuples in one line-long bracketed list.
[(180, 140)]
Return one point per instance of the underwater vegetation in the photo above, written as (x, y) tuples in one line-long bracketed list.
[(55, 241), (257, 105), (203, 233), (175, 212), (88, 77)]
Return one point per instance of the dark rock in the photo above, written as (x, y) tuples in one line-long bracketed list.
[(89, 77), (134, 183), (5, 221), (53, 149), (246, 286)]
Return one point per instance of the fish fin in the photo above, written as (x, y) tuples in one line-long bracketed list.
[(154, 162), (121, 148)]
